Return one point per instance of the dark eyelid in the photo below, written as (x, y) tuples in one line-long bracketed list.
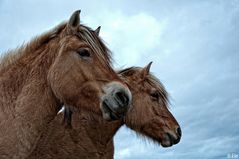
[(155, 94), (84, 52)]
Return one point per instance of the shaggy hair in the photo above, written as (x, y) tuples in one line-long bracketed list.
[(13, 55), (152, 80), (85, 33)]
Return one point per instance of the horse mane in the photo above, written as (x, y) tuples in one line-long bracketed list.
[(12, 55), (84, 33), (151, 79)]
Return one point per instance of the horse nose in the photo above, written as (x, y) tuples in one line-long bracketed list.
[(179, 132), (179, 135), (122, 98), (172, 139), (116, 101)]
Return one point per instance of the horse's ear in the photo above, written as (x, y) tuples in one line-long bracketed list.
[(97, 31), (74, 22), (146, 70)]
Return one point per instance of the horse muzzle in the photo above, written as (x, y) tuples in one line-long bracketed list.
[(116, 101)]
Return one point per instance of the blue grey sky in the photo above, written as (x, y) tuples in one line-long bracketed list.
[(195, 49)]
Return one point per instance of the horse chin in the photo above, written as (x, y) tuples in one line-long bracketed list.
[(164, 142), (167, 140)]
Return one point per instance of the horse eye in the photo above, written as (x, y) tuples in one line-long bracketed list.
[(84, 53), (155, 95)]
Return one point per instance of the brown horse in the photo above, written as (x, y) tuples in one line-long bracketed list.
[(148, 117), (69, 65)]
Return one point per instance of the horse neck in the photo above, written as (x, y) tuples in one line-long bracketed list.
[(30, 67), (89, 137), (99, 131), (26, 100)]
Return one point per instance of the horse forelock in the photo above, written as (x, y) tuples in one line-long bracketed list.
[(96, 43), (160, 87), (151, 79)]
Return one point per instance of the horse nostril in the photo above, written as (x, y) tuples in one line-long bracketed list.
[(122, 97), (172, 139), (179, 132)]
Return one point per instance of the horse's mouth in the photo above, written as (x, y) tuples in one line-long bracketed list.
[(164, 143), (167, 143), (169, 140), (109, 112)]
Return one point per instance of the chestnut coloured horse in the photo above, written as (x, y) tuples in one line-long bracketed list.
[(149, 117), (68, 65)]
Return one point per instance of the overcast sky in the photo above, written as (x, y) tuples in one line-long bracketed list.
[(195, 49)]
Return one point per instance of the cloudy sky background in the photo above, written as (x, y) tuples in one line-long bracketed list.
[(195, 49)]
